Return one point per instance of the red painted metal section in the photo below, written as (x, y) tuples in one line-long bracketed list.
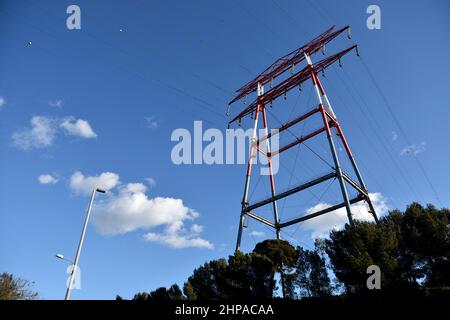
[(253, 145), (291, 82), (269, 154), (337, 127), (299, 140), (287, 61), (344, 141), (290, 124)]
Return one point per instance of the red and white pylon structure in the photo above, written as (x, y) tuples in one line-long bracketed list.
[(331, 128)]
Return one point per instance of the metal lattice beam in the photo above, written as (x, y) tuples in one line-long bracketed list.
[(287, 61)]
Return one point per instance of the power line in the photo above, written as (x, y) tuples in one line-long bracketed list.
[(205, 105), (400, 127), (217, 53), (387, 104), (291, 18), (373, 123)]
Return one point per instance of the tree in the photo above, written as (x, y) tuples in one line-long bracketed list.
[(284, 257), (312, 278), (15, 288), (423, 244), (241, 276), (160, 294), (189, 291), (411, 249), (356, 247), (207, 281), (250, 275)]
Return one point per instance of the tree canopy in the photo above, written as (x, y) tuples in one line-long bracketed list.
[(411, 249), (15, 288)]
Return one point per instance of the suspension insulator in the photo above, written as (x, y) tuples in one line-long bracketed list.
[(357, 51), (323, 73), (292, 68), (323, 49), (340, 64), (300, 86), (285, 95), (271, 82), (349, 33)]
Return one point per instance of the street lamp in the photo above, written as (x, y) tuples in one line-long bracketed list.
[(60, 256), (77, 256)]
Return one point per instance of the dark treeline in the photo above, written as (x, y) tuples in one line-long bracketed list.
[(411, 248)]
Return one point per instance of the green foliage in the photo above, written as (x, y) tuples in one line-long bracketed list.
[(283, 257), (160, 294), (424, 243), (208, 281), (242, 276), (280, 252), (356, 247), (249, 275), (15, 288), (312, 278), (410, 248)]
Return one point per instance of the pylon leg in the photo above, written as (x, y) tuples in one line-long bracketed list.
[(272, 181), (357, 172), (239, 237), (340, 133), (247, 180), (337, 165)]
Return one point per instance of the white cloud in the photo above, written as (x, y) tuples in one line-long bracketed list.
[(44, 130), (150, 182), (41, 134), (255, 233), (78, 127), (321, 226), (413, 149), (84, 185), (195, 228), (151, 123), (128, 208), (56, 103), (394, 136), (178, 241), (47, 179), (176, 236), (2, 102)]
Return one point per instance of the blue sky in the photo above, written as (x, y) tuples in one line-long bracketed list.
[(105, 100)]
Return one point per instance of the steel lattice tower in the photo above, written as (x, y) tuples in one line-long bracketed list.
[(330, 125)]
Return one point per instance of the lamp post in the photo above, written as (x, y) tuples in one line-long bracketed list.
[(60, 256), (77, 256)]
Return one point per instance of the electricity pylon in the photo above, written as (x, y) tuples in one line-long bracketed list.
[(330, 126)]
